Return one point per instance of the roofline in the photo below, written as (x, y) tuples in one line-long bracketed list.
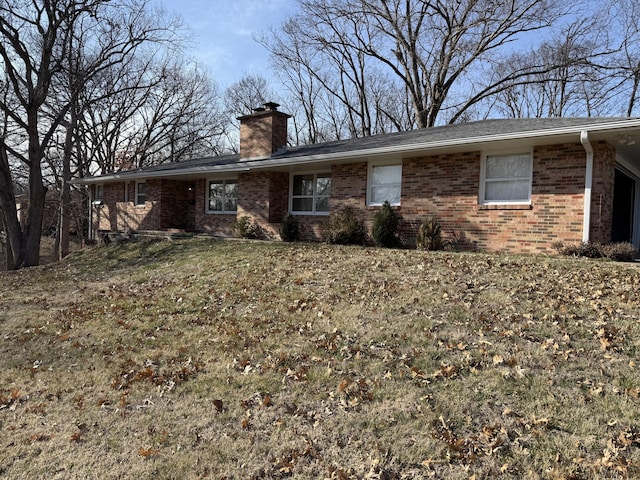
[(285, 161)]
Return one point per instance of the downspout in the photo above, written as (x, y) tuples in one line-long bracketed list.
[(588, 182), (90, 233)]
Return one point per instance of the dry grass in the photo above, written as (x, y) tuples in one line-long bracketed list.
[(255, 360)]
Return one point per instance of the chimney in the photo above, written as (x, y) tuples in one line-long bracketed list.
[(263, 132)]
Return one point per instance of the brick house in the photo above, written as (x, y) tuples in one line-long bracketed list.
[(514, 185)]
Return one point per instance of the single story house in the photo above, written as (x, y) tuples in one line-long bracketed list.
[(515, 185)]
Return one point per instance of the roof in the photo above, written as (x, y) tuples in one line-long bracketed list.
[(464, 136)]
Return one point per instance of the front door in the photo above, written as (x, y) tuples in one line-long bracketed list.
[(623, 228)]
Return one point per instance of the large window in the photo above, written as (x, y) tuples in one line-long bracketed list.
[(506, 178), (141, 193), (223, 196), (385, 183), (310, 193)]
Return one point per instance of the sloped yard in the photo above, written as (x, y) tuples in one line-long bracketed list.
[(201, 359)]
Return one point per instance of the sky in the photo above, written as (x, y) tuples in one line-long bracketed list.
[(222, 40)]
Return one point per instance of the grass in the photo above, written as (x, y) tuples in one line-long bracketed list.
[(244, 360)]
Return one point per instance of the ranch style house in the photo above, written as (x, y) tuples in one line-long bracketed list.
[(513, 185)]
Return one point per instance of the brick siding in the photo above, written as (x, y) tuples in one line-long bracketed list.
[(262, 133), (446, 186), (119, 212), (220, 224)]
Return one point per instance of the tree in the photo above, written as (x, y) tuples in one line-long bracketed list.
[(625, 64), (341, 90), (32, 47), (240, 98), (65, 60), (572, 83), (439, 53)]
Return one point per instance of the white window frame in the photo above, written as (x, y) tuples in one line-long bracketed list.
[(484, 180), (371, 186), (137, 201), (223, 181), (314, 196)]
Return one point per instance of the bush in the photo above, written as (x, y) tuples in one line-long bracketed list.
[(245, 228), (620, 252), (429, 235), (344, 228), (583, 249), (385, 227), (290, 229)]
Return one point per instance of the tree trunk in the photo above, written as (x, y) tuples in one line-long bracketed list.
[(35, 213), (12, 227), (65, 197)]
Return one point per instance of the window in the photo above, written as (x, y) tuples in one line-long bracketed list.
[(223, 196), (385, 183), (506, 178), (141, 193), (99, 197), (310, 193)]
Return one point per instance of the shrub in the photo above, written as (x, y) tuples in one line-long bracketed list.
[(290, 229), (621, 251), (385, 227), (245, 228), (344, 228), (583, 249), (429, 235)]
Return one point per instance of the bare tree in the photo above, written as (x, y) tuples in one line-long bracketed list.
[(569, 84), (33, 43), (625, 66), (240, 98), (48, 53), (435, 50), (341, 85)]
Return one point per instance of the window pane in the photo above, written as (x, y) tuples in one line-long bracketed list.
[(216, 194), (514, 166), (386, 174), (390, 193), (322, 204), (231, 196), (302, 204), (141, 196), (230, 204), (507, 190), (303, 184), (323, 185)]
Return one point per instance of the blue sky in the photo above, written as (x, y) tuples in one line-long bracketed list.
[(223, 33)]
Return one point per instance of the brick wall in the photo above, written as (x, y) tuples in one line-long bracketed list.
[(119, 213), (446, 186), (263, 197), (604, 166), (220, 224), (262, 133)]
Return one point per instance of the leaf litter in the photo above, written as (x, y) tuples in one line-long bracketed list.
[(257, 360)]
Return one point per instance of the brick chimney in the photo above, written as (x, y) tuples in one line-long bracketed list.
[(263, 132)]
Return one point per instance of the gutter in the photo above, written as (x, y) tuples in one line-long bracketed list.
[(588, 182)]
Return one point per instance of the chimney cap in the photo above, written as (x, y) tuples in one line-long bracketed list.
[(271, 105)]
